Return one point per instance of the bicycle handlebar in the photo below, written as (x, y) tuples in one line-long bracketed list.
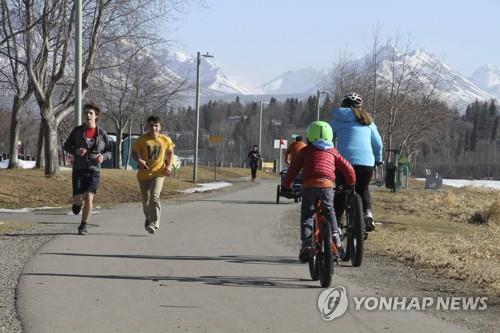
[(344, 188)]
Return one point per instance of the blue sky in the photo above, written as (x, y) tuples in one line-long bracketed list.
[(257, 40)]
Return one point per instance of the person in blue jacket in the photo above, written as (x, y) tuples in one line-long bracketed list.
[(359, 141)]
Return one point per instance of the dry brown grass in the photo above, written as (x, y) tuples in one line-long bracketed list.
[(470, 256), (493, 213), (430, 230), (30, 188), (451, 204)]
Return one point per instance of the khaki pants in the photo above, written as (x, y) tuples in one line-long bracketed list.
[(150, 190)]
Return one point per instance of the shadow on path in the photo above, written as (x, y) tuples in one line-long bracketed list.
[(228, 281), (241, 259)]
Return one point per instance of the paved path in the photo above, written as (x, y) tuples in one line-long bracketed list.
[(214, 267)]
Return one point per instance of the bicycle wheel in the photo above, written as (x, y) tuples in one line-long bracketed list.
[(345, 254), (278, 194), (313, 259), (325, 256), (357, 226)]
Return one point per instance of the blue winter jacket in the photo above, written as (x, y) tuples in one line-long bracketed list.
[(359, 144)]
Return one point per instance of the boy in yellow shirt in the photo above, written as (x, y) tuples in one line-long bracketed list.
[(153, 153)]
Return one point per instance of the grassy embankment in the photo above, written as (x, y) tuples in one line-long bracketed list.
[(454, 232), (30, 188)]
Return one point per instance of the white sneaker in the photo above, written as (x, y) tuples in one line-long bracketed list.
[(368, 218), (151, 229), (337, 240)]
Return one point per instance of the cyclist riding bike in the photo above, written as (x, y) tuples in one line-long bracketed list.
[(359, 141), (293, 149), (318, 162)]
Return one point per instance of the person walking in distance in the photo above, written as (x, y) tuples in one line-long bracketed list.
[(89, 144), (254, 157), (153, 153)]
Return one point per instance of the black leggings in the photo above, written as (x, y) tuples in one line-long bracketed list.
[(253, 167), (363, 178)]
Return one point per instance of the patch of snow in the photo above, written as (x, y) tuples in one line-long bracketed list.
[(25, 210), (491, 184), (46, 208), (206, 187), (22, 210), (20, 164), (94, 212)]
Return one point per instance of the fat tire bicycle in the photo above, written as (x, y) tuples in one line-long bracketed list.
[(353, 231), (323, 251)]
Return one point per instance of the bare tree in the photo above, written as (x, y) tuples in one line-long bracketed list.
[(46, 32), (6, 13), (343, 76), (47, 55), (410, 108), (13, 75), (374, 67), (401, 87), (137, 86)]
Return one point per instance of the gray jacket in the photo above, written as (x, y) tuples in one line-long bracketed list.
[(77, 140)]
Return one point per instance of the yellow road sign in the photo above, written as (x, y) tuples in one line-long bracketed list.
[(215, 138)]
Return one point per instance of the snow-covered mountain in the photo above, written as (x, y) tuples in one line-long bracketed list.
[(487, 78), (452, 87), (213, 81), (305, 80)]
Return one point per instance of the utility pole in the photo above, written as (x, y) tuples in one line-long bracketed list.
[(317, 104), (260, 129), (78, 62), (197, 106)]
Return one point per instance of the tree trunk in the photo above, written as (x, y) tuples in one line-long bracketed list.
[(119, 146), (14, 132), (129, 145), (40, 161), (51, 150)]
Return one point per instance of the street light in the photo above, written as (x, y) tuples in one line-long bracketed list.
[(260, 127), (317, 101), (197, 103), (78, 62)]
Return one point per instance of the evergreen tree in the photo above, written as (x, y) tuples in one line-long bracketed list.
[(494, 129), (473, 135), (492, 108)]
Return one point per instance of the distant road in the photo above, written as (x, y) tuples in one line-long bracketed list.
[(214, 267)]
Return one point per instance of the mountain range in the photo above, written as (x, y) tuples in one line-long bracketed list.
[(453, 87), (487, 78)]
